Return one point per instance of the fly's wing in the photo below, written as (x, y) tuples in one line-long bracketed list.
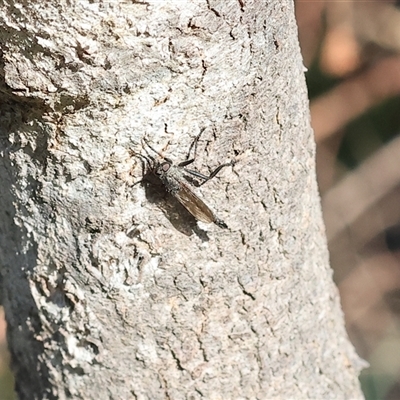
[(194, 205)]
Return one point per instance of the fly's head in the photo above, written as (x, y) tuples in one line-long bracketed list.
[(162, 168), (156, 167)]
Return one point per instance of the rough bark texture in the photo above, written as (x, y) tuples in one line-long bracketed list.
[(114, 291)]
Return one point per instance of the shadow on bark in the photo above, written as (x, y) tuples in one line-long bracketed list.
[(179, 217), (18, 255)]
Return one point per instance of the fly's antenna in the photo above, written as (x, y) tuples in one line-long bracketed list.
[(145, 159), (159, 153), (148, 164), (148, 159)]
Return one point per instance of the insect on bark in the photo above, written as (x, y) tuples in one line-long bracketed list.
[(176, 180)]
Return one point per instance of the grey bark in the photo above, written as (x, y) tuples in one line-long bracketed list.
[(113, 290)]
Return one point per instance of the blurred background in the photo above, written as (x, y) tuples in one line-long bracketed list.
[(352, 52)]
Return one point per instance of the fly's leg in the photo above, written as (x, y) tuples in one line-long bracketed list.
[(216, 170), (194, 144), (189, 161), (206, 178)]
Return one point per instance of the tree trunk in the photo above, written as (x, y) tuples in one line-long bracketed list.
[(115, 291)]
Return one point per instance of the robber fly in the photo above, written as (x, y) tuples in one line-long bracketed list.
[(175, 180)]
